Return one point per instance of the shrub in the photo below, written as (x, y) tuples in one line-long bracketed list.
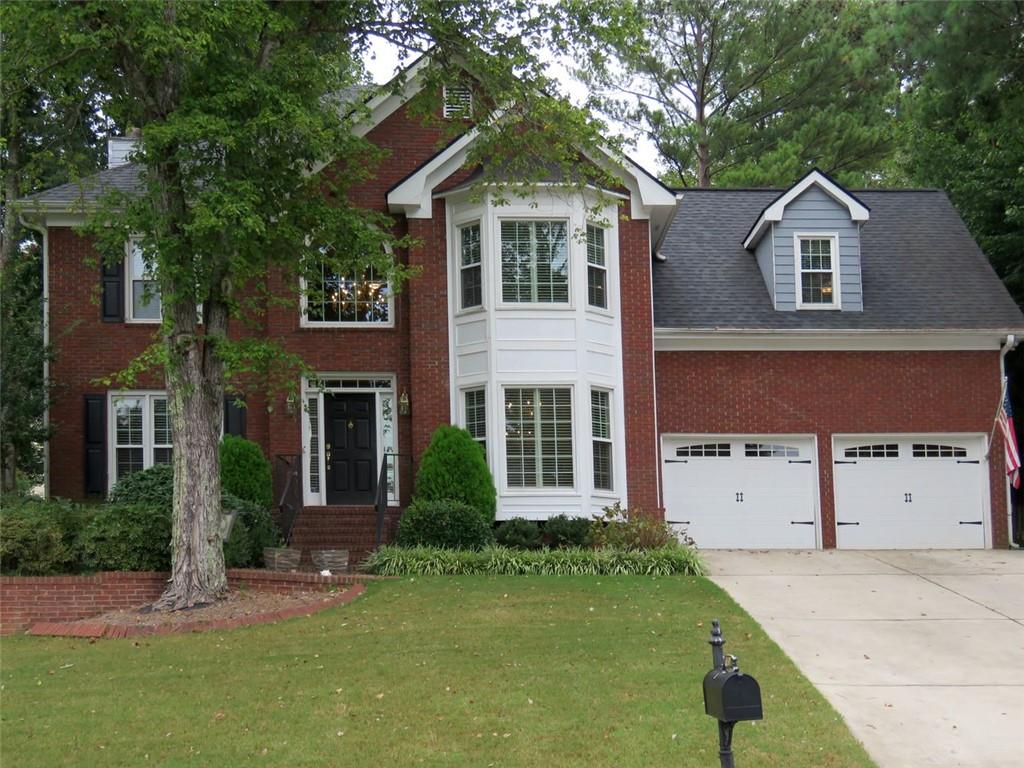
[(245, 471), (453, 467), (630, 529), (502, 561), (38, 537), (445, 523), (260, 531), (153, 487), (238, 549), (563, 531), (518, 534), (128, 537)]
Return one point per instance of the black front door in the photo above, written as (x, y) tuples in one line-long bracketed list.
[(351, 448)]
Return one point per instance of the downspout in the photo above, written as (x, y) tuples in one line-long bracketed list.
[(1010, 343), (42, 230)]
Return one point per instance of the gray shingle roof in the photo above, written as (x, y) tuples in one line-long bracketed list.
[(921, 269), (80, 194)]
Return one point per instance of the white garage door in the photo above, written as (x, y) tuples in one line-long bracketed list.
[(899, 492), (742, 492)]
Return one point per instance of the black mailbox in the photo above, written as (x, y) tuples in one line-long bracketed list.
[(731, 696)]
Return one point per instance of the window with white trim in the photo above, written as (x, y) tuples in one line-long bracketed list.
[(458, 101), (817, 263), (348, 299), (538, 437), (143, 300), (935, 451), (597, 268), (601, 433), (140, 432), (470, 269), (706, 450), (770, 450), (874, 451), (535, 262), (475, 410)]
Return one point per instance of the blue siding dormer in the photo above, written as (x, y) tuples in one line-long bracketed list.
[(815, 212)]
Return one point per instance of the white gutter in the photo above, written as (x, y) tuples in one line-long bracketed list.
[(46, 341), (1011, 342)]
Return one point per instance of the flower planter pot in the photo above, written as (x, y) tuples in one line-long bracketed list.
[(281, 558), (333, 560)]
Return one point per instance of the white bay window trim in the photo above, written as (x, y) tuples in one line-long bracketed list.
[(602, 447), (536, 286), (833, 239), (531, 463), (474, 416)]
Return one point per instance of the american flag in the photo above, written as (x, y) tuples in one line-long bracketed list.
[(1012, 455)]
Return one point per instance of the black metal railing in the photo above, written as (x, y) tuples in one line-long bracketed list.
[(383, 490), (288, 484)]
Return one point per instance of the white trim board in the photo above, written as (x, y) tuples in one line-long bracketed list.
[(729, 340)]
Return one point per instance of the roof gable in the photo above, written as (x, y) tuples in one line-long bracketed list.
[(775, 210)]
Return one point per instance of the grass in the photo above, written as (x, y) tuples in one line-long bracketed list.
[(465, 671)]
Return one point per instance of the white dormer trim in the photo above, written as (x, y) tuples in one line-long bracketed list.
[(414, 196), (773, 213)]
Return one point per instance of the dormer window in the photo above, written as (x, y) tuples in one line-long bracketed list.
[(458, 101), (817, 264)]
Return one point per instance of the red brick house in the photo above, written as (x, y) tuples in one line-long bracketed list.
[(808, 367)]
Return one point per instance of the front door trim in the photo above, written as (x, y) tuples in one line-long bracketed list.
[(383, 386)]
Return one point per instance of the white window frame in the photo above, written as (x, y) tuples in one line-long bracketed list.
[(609, 441), (482, 389), (569, 303), (148, 428), (533, 490), (129, 281), (462, 268), (603, 267), (463, 107), (305, 322), (798, 281)]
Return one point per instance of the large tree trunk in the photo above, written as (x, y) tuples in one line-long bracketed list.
[(195, 402)]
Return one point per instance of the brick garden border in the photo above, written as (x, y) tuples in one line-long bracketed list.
[(26, 601)]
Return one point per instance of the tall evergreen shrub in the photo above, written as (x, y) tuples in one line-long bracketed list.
[(453, 467)]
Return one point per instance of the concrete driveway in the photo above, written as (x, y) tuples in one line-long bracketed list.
[(921, 652)]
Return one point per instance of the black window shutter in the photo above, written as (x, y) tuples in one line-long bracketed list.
[(234, 417), (95, 443), (112, 299)]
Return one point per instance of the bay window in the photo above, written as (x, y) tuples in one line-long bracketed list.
[(597, 268), (470, 274), (476, 417), (601, 432)]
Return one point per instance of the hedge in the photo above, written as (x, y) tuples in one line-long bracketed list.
[(502, 561)]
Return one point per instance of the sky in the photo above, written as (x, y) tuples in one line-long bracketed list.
[(383, 60)]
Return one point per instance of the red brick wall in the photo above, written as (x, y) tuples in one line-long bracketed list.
[(825, 393), (638, 363), (25, 600)]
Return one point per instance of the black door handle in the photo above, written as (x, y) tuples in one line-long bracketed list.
[(801, 522), (840, 523)]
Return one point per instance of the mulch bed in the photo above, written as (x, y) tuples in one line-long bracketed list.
[(241, 608)]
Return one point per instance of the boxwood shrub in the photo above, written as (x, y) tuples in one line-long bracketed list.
[(564, 531), (39, 537), (127, 537), (502, 561), (518, 533), (453, 467), (444, 523)]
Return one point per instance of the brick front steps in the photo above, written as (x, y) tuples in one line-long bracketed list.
[(335, 527), (29, 600), (101, 629)]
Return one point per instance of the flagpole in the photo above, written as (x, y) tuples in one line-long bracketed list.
[(995, 419)]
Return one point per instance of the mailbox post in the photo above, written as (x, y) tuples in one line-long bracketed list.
[(729, 695)]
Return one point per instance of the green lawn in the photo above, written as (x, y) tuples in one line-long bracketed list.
[(471, 671)]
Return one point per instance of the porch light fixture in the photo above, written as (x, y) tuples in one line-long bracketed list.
[(404, 409), (291, 404)]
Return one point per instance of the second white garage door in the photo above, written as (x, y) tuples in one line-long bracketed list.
[(742, 492), (910, 492)]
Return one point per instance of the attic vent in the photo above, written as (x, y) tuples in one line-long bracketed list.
[(458, 101)]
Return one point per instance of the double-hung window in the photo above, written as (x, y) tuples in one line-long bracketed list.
[(538, 437), (535, 262), (355, 298), (140, 432), (597, 268), (143, 299), (470, 276), (818, 268), (601, 431), (476, 417)]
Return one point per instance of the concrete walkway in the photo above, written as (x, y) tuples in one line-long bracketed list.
[(921, 652)]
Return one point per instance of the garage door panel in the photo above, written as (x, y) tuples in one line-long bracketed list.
[(742, 492), (909, 492)]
